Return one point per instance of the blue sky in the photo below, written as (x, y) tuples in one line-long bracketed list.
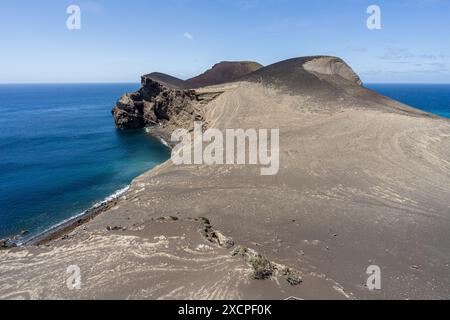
[(120, 40)]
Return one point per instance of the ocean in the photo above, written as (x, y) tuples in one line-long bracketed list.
[(60, 153), (434, 98)]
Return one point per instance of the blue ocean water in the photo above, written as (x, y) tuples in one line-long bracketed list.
[(434, 98), (60, 152)]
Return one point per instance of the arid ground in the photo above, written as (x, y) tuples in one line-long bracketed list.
[(363, 180)]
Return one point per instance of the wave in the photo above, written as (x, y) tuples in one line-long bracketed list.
[(163, 141)]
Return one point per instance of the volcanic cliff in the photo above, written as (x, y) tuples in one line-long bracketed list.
[(163, 97)]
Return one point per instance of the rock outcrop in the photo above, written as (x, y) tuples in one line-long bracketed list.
[(7, 244), (153, 104), (163, 97)]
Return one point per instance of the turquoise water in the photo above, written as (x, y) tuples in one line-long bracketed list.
[(60, 152), (434, 98)]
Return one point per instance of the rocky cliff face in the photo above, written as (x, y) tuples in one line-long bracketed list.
[(153, 104), (163, 98)]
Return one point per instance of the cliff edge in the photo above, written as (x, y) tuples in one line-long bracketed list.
[(163, 97)]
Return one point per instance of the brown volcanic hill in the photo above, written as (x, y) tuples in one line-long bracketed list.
[(223, 72), (305, 75)]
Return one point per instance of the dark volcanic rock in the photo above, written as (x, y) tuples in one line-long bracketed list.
[(7, 244), (163, 98), (152, 104), (128, 113), (167, 80)]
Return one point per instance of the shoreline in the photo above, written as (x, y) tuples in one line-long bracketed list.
[(62, 228)]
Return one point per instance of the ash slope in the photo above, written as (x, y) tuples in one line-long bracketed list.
[(222, 72), (364, 180)]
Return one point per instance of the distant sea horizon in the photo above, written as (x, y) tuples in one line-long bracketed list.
[(137, 82), (433, 98), (61, 153)]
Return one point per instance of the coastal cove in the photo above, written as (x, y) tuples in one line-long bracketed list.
[(61, 154)]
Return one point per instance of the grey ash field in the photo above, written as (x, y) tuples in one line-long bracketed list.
[(364, 180)]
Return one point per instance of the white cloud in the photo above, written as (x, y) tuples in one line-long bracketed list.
[(397, 54), (188, 36)]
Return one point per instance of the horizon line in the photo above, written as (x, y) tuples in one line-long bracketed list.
[(77, 82), (138, 82)]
